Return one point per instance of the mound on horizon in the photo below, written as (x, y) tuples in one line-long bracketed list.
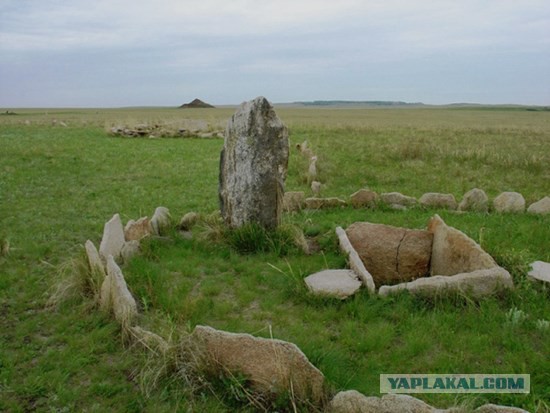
[(197, 103)]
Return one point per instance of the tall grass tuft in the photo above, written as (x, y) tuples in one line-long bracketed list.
[(73, 281)]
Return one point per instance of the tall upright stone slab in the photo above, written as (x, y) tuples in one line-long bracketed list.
[(253, 166)]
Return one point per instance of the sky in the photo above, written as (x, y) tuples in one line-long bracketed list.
[(116, 53)]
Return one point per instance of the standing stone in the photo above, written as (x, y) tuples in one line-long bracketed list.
[(113, 238), (540, 207), (253, 166), (509, 202), (136, 230), (160, 223), (475, 200)]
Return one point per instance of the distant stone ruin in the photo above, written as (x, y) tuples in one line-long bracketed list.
[(253, 166), (196, 104)]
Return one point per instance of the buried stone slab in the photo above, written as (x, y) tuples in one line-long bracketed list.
[(390, 254), (253, 166), (271, 367), (322, 203), (476, 284), (333, 283)]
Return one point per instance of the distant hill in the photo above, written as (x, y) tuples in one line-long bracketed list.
[(377, 103), (197, 103)]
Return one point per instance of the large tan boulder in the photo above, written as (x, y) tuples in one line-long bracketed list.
[(271, 367), (390, 254), (475, 284), (453, 252)]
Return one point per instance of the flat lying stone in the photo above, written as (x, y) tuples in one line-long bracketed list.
[(354, 260), (321, 203), (271, 367), (437, 200), (352, 401), (493, 408), (397, 198), (333, 283), (476, 284), (540, 270)]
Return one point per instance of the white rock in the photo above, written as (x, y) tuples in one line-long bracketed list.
[(540, 207), (333, 283), (113, 238), (540, 270), (509, 202)]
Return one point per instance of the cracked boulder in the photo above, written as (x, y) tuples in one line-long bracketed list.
[(390, 254)]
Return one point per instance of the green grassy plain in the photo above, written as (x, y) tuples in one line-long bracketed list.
[(58, 185)]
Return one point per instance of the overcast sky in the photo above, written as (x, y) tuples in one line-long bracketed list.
[(110, 53)]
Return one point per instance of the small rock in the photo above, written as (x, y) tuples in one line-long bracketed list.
[(396, 198), (188, 221), (437, 200), (316, 188), (321, 203), (476, 284), (475, 200), (540, 270), (352, 401), (161, 220), (509, 202), (293, 201), (271, 367), (364, 198), (137, 230), (333, 283), (540, 207), (113, 238), (129, 250)]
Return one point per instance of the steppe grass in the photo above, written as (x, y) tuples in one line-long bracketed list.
[(60, 184)]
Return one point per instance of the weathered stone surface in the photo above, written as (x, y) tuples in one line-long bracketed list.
[(453, 252), (364, 199), (129, 250), (113, 238), (509, 202), (476, 284), (493, 408), (396, 198), (333, 283), (293, 201), (149, 340), (161, 220), (272, 367), (253, 166), (188, 221), (475, 200), (540, 270), (94, 260), (137, 230), (354, 260), (437, 200), (321, 203), (540, 207), (316, 189), (391, 254), (116, 297), (352, 401)]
